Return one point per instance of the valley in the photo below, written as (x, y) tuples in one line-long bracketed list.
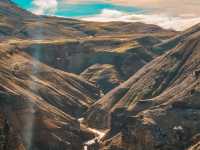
[(67, 84)]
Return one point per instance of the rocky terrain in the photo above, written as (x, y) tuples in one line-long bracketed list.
[(75, 46), (67, 84), (105, 75), (39, 102), (150, 81), (157, 108)]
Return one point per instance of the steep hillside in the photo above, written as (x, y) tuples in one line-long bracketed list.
[(43, 27), (77, 55), (28, 122), (73, 45), (125, 55), (11, 18), (195, 147), (38, 103), (105, 76), (153, 79), (158, 107), (180, 38), (41, 103), (20, 72)]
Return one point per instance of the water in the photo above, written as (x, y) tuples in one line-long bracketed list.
[(99, 136)]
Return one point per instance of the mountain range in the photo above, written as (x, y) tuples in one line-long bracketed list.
[(64, 83)]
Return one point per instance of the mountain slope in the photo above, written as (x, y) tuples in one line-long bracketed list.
[(73, 45), (168, 116), (32, 123), (180, 38), (64, 90), (44, 27), (157, 108), (106, 76), (11, 18), (38, 103), (152, 80)]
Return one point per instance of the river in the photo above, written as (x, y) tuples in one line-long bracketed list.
[(99, 136)]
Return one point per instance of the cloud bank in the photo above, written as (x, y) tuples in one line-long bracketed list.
[(181, 22), (170, 14), (175, 7)]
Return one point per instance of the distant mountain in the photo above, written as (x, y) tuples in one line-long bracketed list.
[(23, 24), (180, 38)]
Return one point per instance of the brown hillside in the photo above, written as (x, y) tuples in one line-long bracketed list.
[(166, 118), (105, 76), (149, 82), (27, 76)]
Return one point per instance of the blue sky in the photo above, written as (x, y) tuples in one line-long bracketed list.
[(89, 9), (78, 9), (170, 14), (23, 3)]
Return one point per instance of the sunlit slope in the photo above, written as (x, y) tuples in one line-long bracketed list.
[(39, 98), (55, 86), (153, 79), (160, 109), (74, 45)]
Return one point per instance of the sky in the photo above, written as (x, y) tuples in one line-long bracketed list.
[(169, 14)]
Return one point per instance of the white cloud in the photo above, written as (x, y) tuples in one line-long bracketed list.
[(181, 22), (175, 14), (174, 7), (44, 6)]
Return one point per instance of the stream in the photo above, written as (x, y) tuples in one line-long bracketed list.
[(99, 136)]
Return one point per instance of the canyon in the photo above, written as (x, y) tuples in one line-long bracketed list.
[(67, 84)]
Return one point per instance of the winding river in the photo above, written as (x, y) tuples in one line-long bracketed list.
[(99, 136)]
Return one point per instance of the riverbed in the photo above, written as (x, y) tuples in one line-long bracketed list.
[(99, 135)]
